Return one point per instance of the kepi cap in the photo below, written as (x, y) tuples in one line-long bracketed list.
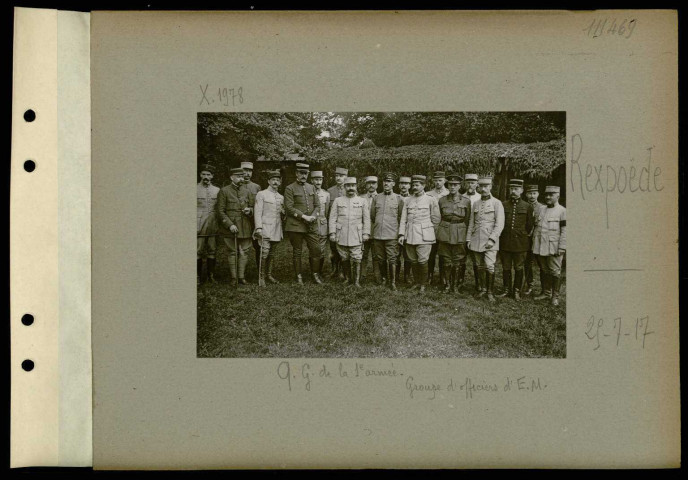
[(551, 189), (471, 176), (404, 179), (350, 180), (304, 167), (341, 171), (206, 167), (515, 182), (371, 179), (532, 188), (316, 174), (389, 176), (485, 181), (438, 174), (237, 171), (418, 178), (273, 174), (248, 165)]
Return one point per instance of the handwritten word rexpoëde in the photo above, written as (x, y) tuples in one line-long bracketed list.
[(223, 96), (600, 178)]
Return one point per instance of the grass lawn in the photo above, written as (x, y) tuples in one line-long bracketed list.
[(334, 320)]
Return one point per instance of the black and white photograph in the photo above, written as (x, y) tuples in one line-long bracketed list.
[(381, 235)]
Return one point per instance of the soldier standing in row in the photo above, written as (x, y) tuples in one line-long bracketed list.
[(515, 238), (253, 189), (337, 190), (531, 259), (455, 210), (323, 215), (369, 195), (470, 183), (385, 214), (438, 192), (268, 212), (419, 219), (549, 243), (484, 229), (235, 210), (404, 186), (349, 226), (206, 225), (302, 205)]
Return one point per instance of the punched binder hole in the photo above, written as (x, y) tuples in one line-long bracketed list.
[(29, 166), (27, 319), (27, 365), (29, 115)]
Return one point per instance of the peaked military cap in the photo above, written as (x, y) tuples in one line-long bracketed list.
[(515, 182), (485, 181), (302, 167), (316, 174), (471, 176), (551, 189), (341, 171), (273, 174), (206, 167), (371, 179), (237, 171), (389, 176), (454, 178), (350, 180), (248, 165), (532, 188), (418, 178), (438, 174), (404, 179)]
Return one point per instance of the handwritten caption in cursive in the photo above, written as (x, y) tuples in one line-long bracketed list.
[(227, 97), (308, 376), (605, 27), (617, 332)]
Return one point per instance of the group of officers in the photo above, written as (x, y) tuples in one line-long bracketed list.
[(455, 223)]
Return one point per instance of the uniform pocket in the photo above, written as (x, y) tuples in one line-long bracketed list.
[(553, 245), (428, 233)]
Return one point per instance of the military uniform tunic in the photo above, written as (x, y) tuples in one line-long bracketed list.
[(206, 219), (531, 258), (349, 221), (385, 213), (438, 194), (323, 217), (549, 237), (300, 200), (335, 191), (231, 201), (368, 246), (451, 235), (419, 218), (486, 223), (268, 217)]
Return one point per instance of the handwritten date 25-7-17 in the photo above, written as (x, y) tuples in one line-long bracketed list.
[(606, 27), (222, 96), (618, 331)]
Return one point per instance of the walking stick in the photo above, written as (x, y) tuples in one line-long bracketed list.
[(260, 265), (236, 262)]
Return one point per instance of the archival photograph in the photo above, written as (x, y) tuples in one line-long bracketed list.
[(381, 235)]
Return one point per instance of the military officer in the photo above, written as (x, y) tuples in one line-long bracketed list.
[(206, 224), (455, 210), (404, 186), (485, 227), (253, 189), (470, 183), (532, 194), (302, 205), (515, 238), (268, 212), (419, 220), (235, 209), (439, 179), (349, 227), (549, 243), (323, 215), (385, 213), (370, 193), (337, 190)]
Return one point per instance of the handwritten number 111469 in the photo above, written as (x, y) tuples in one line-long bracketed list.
[(604, 26)]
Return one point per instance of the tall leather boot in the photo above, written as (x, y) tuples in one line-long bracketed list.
[(268, 270), (546, 288), (443, 278), (476, 274), (449, 285), (376, 272), (232, 268), (482, 286), (507, 284), (417, 281), (243, 260), (542, 282), (398, 269), (257, 248), (454, 277), (297, 269), (315, 264), (518, 285), (357, 273), (489, 276), (408, 276), (430, 269), (199, 271), (460, 277), (556, 284), (334, 266), (393, 276), (211, 270), (345, 266), (424, 276), (261, 272), (321, 264)]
